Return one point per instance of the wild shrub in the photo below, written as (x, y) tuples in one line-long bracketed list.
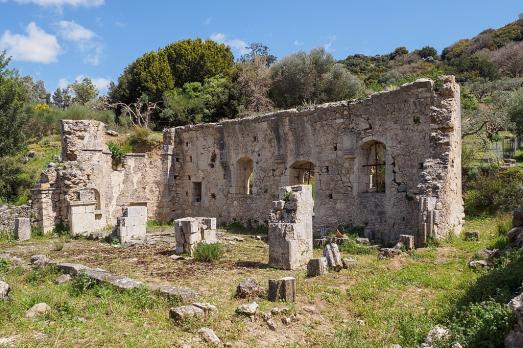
[(117, 152), (41, 274), (497, 191), (4, 265), (81, 283), (350, 246), (205, 252)]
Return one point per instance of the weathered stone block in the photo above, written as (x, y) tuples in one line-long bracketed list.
[(249, 288), (186, 312), (317, 267), (4, 290), (332, 253), (283, 289), (407, 240), (189, 231), (22, 229)]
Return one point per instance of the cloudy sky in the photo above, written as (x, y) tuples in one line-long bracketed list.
[(58, 41)]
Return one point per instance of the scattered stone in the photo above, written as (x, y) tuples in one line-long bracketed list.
[(249, 288), (71, 268), (515, 237), (360, 322), (389, 252), (7, 341), (479, 264), (407, 240), (266, 316), (177, 257), (283, 289), (286, 320), (317, 267), (515, 337), (248, 309), (185, 312), (39, 336), (37, 310), (31, 154), (279, 310), (437, 334), (332, 253), (271, 324), (185, 295), (22, 229), (40, 260), (4, 290), (111, 133), (64, 278), (487, 254), (209, 336), (310, 309), (238, 239), (363, 241), (395, 346), (471, 235), (348, 262)]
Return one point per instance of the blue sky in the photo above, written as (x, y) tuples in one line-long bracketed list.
[(59, 40)]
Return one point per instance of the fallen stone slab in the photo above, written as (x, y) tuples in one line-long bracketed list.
[(332, 253), (120, 282), (71, 268), (7, 341), (348, 262), (209, 336), (363, 241), (197, 309), (40, 260), (389, 252), (4, 290), (183, 294), (37, 310)]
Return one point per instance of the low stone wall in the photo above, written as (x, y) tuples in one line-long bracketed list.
[(8, 214)]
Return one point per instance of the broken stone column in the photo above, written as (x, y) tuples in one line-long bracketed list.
[(317, 267), (190, 231), (407, 240), (132, 226), (283, 289), (22, 229), (332, 253), (290, 228)]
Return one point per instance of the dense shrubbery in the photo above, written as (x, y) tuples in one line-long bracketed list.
[(492, 189), (205, 252)]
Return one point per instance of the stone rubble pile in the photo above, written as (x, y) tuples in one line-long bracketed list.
[(190, 231)]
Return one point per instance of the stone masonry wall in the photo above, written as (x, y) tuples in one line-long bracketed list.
[(232, 170), (8, 214)]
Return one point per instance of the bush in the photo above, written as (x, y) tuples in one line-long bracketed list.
[(483, 324), (13, 180), (205, 252), (499, 190), (117, 152), (81, 283), (352, 247)]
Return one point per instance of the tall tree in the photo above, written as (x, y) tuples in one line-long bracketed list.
[(84, 91)]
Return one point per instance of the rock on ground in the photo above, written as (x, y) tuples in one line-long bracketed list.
[(4, 290), (248, 309), (209, 336), (40, 260), (249, 288), (37, 310), (198, 310), (7, 341), (64, 278)]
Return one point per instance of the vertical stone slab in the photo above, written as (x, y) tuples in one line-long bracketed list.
[(407, 240), (22, 229), (283, 289), (290, 228), (132, 226), (317, 267)]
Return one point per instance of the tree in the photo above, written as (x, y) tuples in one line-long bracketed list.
[(260, 52), (428, 52), (62, 98), (515, 112), (196, 60), (36, 92), (140, 112), (253, 81), (84, 91), (13, 111), (311, 77)]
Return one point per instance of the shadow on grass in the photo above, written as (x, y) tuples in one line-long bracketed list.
[(249, 229), (481, 317), (252, 264)]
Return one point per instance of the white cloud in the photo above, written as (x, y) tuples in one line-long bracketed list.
[(37, 46), (72, 31), (61, 3), (298, 43), (63, 83), (85, 39), (236, 45), (328, 44)]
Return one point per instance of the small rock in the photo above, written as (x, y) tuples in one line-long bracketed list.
[(7, 341), (360, 322), (112, 133), (31, 154), (248, 309), (271, 324), (278, 310), (37, 310), (64, 278), (471, 235), (286, 320), (389, 252), (184, 312), (479, 264), (348, 262), (295, 317), (486, 254), (310, 309), (437, 334), (238, 239), (177, 257), (363, 241), (457, 345), (395, 346), (208, 335), (4, 290), (267, 316), (40, 260), (39, 336), (249, 288)]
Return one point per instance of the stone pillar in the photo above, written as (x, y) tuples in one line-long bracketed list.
[(290, 228), (132, 226), (22, 229), (81, 218), (283, 289), (190, 231)]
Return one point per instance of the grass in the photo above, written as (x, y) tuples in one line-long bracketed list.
[(375, 304), (205, 252)]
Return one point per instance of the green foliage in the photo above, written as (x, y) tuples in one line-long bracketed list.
[(503, 224), (61, 229), (483, 324), (84, 91), (495, 191), (4, 265), (250, 228), (287, 196), (205, 252), (117, 152), (515, 112), (81, 283), (312, 77), (427, 52), (13, 180), (197, 102), (350, 246)]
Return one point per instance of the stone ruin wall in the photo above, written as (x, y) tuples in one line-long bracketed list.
[(418, 124)]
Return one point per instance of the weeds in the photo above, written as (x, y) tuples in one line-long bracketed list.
[(205, 252)]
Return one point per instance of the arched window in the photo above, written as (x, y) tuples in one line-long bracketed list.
[(373, 169), (245, 176), (301, 173)]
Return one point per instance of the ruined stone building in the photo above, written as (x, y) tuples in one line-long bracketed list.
[(390, 162)]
